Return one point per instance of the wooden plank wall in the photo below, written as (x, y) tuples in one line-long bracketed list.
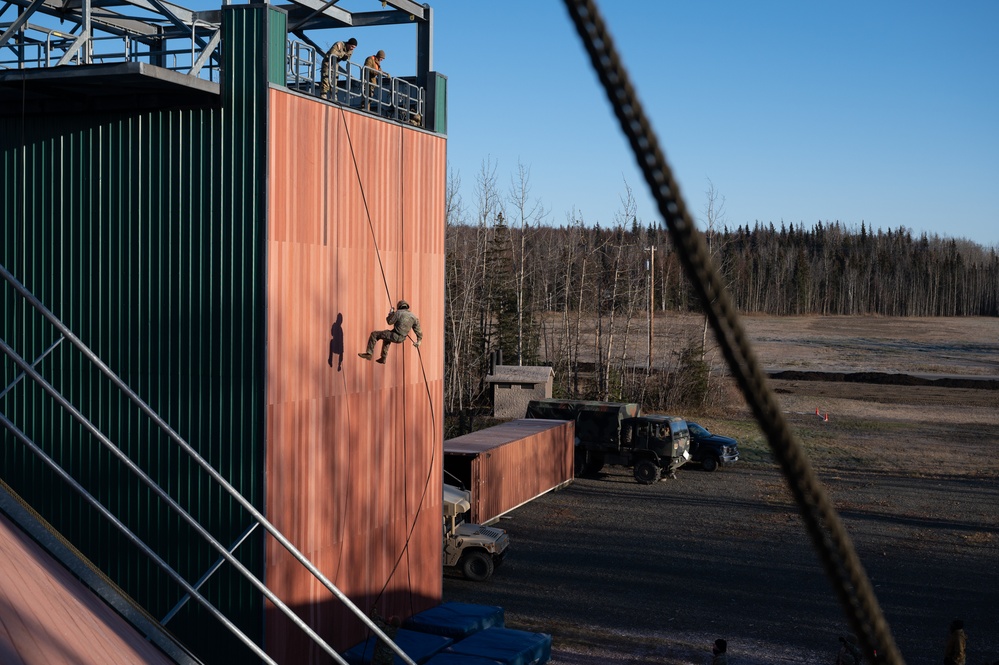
[(354, 448)]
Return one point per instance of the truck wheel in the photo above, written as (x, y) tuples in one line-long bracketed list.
[(647, 472), (709, 463), (477, 566)]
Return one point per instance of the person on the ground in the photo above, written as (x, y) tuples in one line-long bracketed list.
[(720, 652), (956, 644), (339, 52), (402, 321), (383, 654), (849, 651), (373, 67)]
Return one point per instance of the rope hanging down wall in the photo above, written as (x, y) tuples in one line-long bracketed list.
[(831, 542), (426, 383)]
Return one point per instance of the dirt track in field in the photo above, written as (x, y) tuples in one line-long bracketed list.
[(622, 573)]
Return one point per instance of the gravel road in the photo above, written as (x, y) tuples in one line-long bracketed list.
[(622, 573)]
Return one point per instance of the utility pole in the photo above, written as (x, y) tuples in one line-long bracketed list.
[(652, 296)]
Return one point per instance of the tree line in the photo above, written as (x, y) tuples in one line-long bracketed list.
[(576, 295)]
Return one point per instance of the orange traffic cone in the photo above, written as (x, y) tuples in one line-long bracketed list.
[(826, 419)]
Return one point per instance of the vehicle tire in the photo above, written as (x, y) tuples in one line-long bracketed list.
[(477, 566), (709, 463), (647, 472)]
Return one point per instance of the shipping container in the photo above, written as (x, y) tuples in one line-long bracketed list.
[(510, 464)]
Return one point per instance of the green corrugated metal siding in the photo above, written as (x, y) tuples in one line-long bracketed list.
[(144, 233), (277, 32), (440, 102)]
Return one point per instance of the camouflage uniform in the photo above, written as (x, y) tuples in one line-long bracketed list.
[(373, 63), (720, 652), (402, 321), (956, 644), (849, 651), (339, 52), (383, 654)]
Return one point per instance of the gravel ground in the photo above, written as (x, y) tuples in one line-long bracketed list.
[(623, 573)]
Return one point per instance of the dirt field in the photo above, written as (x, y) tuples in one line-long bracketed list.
[(622, 573)]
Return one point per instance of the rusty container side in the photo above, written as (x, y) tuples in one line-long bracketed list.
[(354, 448), (510, 464)]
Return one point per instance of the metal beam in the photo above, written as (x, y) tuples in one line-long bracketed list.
[(308, 40), (322, 8), (206, 53), (119, 24), (83, 41), (167, 9), (425, 49), (412, 8), (21, 20), (369, 19), (298, 23), (125, 25), (181, 12), (73, 48), (178, 23)]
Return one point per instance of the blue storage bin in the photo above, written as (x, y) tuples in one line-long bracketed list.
[(510, 647), (456, 620), (447, 658), (418, 646)]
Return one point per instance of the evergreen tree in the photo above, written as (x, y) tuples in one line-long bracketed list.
[(502, 294)]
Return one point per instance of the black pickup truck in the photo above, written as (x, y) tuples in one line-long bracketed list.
[(711, 450)]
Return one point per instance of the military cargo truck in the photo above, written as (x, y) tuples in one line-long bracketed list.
[(618, 433)]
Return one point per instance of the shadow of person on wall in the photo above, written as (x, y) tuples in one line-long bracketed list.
[(336, 342)]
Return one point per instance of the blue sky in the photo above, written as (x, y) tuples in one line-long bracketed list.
[(881, 112), (884, 112)]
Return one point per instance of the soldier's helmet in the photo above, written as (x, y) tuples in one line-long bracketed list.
[(402, 305)]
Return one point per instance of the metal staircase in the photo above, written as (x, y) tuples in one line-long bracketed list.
[(33, 371)]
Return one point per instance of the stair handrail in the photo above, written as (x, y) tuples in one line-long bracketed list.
[(200, 461)]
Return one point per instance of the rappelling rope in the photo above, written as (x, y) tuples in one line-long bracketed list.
[(433, 418), (364, 199), (830, 539), (346, 498)]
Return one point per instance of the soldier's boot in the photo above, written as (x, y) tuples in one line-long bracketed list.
[(381, 360), (366, 356)]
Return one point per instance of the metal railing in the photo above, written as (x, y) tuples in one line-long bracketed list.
[(36, 46), (356, 86), (29, 370)]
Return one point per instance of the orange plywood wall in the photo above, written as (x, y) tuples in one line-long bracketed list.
[(354, 448)]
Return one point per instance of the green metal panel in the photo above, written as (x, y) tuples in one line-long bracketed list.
[(438, 90), (277, 31), (144, 233)]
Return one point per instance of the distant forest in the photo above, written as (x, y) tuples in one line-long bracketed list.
[(514, 287)]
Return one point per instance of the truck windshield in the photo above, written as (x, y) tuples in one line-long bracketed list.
[(697, 430)]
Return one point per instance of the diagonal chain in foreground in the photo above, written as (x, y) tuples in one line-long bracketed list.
[(830, 539)]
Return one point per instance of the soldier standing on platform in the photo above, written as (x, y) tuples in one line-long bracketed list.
[(339, 52)]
